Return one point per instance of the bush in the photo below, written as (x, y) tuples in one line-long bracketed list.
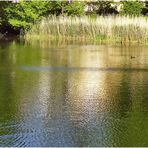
[(133, 8)]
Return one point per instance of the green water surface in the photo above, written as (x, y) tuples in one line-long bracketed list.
[(58, 94)]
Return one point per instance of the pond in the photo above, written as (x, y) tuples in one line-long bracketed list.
[(58, 94)]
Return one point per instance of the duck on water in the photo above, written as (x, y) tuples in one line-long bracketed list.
[(132, 57)]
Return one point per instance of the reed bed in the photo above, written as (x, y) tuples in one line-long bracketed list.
[(124, 29)]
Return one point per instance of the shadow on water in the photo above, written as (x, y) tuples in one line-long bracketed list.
[(72, 69), (10, 40)]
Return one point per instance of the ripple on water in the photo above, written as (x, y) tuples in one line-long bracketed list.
[(73, 97)]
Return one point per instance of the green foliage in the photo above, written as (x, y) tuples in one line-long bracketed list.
[(56, 7), (23, 14), (133, 8), (66, 8), (3, 16), (75, 8)]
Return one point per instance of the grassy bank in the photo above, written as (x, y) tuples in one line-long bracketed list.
[(108, 28)]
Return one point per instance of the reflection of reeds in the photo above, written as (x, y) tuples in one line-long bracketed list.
[(102, 28)]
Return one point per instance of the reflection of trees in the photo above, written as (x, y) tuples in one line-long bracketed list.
[(129, 122), (13, 86), (7, 78), (8, 94)]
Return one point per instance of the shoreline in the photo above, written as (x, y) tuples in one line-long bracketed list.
[(70, 39), (83, 40)]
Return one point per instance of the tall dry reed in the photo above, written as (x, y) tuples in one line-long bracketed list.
[(109, 28)]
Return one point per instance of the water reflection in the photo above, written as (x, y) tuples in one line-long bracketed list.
[(76, 95)]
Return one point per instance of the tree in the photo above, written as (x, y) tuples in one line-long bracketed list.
[(102, 7), (133, 8), (75, 8), (66, 8), (105, 7), (25, 13), (145, 9)]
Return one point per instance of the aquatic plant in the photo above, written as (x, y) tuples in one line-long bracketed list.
[(102, 28)]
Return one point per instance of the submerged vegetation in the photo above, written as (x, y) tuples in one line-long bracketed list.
[(124, 29)]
